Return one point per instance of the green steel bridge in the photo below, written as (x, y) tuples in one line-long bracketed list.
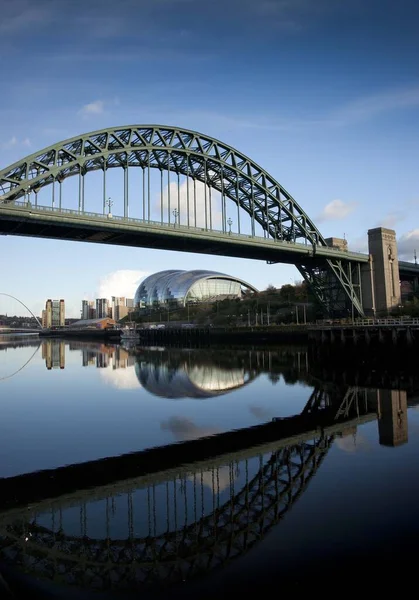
[(179, 190)]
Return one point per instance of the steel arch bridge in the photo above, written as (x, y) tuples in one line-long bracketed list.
[(287, 234), (24, 306), (216, 533)]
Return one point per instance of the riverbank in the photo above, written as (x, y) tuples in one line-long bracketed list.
[(99, 335), (213, 335), (369, 334)]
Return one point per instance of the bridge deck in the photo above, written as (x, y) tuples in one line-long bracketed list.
[(153, 465), (46, 222)]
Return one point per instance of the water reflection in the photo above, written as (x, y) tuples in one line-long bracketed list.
[(180, 373), (174, 523)]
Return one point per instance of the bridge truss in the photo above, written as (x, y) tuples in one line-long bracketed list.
[(187, 532), (260, 203)]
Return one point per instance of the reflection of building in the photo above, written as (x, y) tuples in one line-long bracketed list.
[(188, 287), (54, 314), (177, 376), (102, 360), (120, 359), (53, 352), (392, 417), (88, 357)]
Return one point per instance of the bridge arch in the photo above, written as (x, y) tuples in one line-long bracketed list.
[(180, 553), (24, 305), (193, 155)]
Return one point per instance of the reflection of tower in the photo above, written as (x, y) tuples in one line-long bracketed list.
[(102, 360), (47, 354), (62, 355), (120, 359), (88, 357), (53, 352), (392, 417)]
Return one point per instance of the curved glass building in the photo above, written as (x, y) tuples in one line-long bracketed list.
[(188, 287)]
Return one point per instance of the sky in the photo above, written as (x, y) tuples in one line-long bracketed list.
[(323, 95)]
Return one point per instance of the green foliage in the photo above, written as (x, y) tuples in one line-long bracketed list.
[(281, 304)]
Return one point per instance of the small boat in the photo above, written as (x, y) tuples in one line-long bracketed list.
[(130, 334)]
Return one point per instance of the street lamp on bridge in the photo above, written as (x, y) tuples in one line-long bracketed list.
[(230, 223), (175, 214), (109, 203)]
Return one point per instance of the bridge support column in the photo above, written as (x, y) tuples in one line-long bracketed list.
[(392, 417), (381, 281), (409, 337)]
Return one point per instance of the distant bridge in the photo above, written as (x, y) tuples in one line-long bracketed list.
[(18, 330)]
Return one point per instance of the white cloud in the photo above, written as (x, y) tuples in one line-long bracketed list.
[(352, 443), (122, 379), (217, 481), (407, 244), (21, 15), (359, 244), (200, 204), (390, 220), (370, 106), (14, 142), (93, 108), (335, 210), (120, 283), (183, 428), (260, 412)]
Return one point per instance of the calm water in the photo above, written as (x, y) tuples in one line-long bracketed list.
[(334, 473)]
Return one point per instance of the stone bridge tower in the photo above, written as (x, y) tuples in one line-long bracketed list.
[(380, 278)]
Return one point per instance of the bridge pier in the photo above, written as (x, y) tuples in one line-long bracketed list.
[(380, 278), (392, 417)]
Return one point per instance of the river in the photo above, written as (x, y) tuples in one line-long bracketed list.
[(194, 471)]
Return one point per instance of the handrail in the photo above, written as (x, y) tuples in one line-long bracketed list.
[(388, 321), (111, 217)]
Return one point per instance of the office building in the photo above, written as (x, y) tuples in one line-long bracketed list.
[(116, 302), (85, 309), (88, 309), (54, 314), (102, 308), (120, 312)]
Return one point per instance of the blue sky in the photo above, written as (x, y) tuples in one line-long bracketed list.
[(324, 95)]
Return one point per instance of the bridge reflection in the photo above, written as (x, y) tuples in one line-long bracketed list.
[(155, 517), (168, 532)]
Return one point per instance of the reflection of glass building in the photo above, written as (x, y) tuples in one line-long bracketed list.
[(188, 287), (180, 375)]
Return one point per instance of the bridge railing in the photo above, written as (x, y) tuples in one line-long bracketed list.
[(177, 226), (390, 322)]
